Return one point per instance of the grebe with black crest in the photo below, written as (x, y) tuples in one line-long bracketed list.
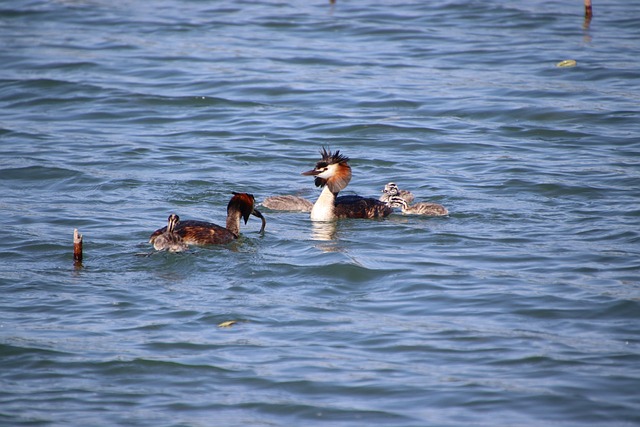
[(332, 173)]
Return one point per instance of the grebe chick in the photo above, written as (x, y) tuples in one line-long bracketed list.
[(391, 189), (287, 203), (333, 173), (421, 208), (241, 205), (170, 240)]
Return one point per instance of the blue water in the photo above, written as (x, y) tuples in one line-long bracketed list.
[(521, 308)]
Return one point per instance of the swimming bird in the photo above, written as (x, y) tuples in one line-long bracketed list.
[(287, 202), (169, 240), (391, 189), (421, 208), (332, 173), (192, 232)]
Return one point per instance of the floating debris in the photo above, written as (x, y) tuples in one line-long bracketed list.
[(567, 63), (227, 324)]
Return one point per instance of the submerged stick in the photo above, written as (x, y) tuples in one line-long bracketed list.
[(77, 246)]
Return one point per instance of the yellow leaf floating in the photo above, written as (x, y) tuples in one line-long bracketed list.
[(227, 324), (567, 63)]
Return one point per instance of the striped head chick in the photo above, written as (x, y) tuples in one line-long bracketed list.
[(391, 189)]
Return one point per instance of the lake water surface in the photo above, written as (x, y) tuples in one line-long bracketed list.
[(521, 308)]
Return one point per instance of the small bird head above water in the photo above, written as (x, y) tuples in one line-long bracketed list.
[(391, 189), (332, 170), (396, 201), (172, 222), (245, 204)]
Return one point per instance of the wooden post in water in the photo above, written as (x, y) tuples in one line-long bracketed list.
[(588, 14), (77, 246), (588, 10)]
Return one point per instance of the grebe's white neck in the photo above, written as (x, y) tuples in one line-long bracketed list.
[(323, 209), (333, 174)]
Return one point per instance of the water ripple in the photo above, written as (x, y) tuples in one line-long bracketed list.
[(520, 306)]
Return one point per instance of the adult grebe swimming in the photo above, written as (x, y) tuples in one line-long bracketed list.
[(391, 189), (333, 173), (241, 205), (421, 208), (169, 240), (287, 202)]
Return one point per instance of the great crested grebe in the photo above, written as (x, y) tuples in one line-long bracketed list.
[(391, 189), (169, 240), (421, 208), (241, 205), (287, 202), (333, 173)]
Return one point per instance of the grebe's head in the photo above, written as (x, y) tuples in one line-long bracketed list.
[(332, 170), (172, 222), (391, 189), (397, 202), (245, 204)]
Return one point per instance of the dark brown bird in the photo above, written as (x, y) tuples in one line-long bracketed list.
[(192, 232)]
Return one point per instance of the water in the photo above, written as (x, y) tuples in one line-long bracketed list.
[(520, 308)]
